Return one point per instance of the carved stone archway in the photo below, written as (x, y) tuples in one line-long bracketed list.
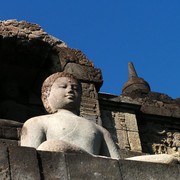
[(27, 56)]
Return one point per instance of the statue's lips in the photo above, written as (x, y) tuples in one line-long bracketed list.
[(70, 96)]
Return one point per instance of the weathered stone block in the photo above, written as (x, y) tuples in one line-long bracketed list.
[(161, 111), (53, 165), (145, 171), (9, 133), (123, 141), (23, 163), (9, 142), (4, 163), (176, 113), (119, 120), (126, 153), (131, 122), (81, 166), (134, 141)]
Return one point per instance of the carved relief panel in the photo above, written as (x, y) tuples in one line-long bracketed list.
[(89, 103), (123, 128), (160, 138)]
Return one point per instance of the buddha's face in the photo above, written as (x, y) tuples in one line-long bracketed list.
[(65, 94)]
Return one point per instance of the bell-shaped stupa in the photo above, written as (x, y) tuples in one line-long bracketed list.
[(134, 82)]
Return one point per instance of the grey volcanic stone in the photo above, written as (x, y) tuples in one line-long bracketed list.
[(23, 163), (135, 170), (4, 165), (53, 165), (81, 166)]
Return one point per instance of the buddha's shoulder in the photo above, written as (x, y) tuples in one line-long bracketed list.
[(38, 119)]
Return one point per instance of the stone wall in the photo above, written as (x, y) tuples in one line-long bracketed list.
[(120, 120), (27, 163), (147, 123), (28, 55), (138, 121)]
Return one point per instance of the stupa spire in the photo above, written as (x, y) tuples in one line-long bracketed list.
[(134, 82), (131, 70)]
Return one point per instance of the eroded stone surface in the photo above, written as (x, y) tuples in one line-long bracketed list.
[(52, 165), (4, 163), (87, 167), (23, 163), (27, 49), (137, 115), (145, 170)]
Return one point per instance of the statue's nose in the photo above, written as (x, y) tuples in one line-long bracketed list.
[(70, 88)]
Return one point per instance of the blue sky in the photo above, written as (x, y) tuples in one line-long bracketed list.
[(112, 33)]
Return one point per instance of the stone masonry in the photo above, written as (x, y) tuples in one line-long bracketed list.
[(139, 120)]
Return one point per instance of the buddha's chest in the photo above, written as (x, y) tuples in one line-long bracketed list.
[(72, 131)]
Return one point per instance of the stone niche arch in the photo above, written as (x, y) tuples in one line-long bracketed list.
[(27, 56)]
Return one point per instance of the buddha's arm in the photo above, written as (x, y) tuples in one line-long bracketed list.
[(32, 133), (108, 146)]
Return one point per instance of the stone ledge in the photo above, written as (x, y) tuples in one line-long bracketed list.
[(137, 170), (52, 165), (27, 163), (81, 166), (23, 163)]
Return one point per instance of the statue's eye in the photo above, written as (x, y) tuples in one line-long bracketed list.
[(62, 86)]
